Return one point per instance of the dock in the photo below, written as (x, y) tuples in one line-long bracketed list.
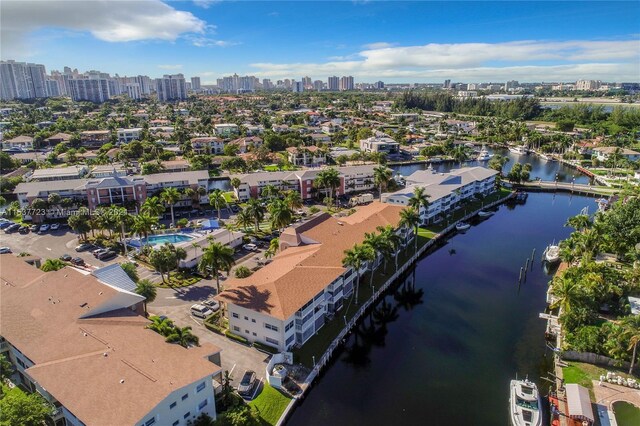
[(573, 188)]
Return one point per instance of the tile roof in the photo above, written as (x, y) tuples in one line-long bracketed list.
[(299, 273), (111, 356)]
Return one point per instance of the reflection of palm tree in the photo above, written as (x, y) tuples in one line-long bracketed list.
[(408, 297), (385, 313)]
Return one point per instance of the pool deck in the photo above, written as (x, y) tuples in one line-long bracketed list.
[(606, 394)]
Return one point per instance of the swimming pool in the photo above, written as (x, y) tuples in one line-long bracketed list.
[(626, 413), (154, 240)]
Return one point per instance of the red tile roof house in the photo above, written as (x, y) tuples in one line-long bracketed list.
[(286, 302), (79, 340)]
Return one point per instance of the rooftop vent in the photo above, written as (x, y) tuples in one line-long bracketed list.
[(121, 381), (104, 355)]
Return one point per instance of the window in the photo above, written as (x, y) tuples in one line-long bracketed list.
[(149, 422), (290, 339), (201, 387), (235, 315), (254, 333), (185, 396), (187, 414), (173, 405), (176, 423), (270, 327), (252, 320), (272, 341), (202, 405), (288, 326), (246, 331), (236, 328), (246, 318)]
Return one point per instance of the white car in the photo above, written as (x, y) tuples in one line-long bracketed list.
[(200, 311), (250, 247), (55, 226), (44, 228), (5, 250)]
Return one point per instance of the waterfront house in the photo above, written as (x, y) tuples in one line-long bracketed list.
[(445, 190), (382, 144), (128, 135), (603, 153), (306, 156), (95, 138), (23, 142), (71, 334), (286, 302), (226, 130)]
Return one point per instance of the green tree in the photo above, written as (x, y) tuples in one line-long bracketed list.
[(143, 224), (217, 257), (148, 290), (244, 219), (183, 336), (50, 265), (380, 246), (393, 240), (356, 258), (566, 291), (381, 177), (242, 272), (166, 258), (23, 409), (6, 370), (419, 199), (274, 246), (170, 196), (152, 206), (579, 222), (280, 214), (631, 331), (130, 269), (411, 219), (79, 222), (257, 211), (328, 179), (217, 200), (161, 325)]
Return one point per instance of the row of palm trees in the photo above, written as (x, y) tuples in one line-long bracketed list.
[(278, 204)]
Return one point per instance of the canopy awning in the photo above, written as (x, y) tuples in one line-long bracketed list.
[(579, 402), (210, 224)]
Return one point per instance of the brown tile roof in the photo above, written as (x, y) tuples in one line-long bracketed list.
[(127, 368), (299, 273)]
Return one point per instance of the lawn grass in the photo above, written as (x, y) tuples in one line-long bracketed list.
[(583, 374), (14, 390), (275, 168), (179, 279), (271, 403)]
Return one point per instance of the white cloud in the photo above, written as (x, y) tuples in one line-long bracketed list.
[(528, 60), (120, 21), (201, 41), (170, 67), (379, 45), (205, 4)]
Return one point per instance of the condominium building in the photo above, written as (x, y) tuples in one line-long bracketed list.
[(288, 301), (587, 85), (71, 335), (195, 83), (333, 84), (22, 80), (306, 156), (171, 88), (346, 83), (128, 135), (382, 144), (445, 191), (297, 86), (95, 90)]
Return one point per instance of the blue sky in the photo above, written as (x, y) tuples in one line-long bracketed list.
[(391, 41)]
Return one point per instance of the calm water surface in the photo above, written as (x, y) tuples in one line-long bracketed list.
[(444, 350)]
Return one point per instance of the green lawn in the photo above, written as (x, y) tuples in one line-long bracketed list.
[(271, 403), (7, 391), (274, 168), (583, 374)]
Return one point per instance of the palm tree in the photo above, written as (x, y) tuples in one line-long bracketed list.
[(280, 214), (183, 336), (566, 291), (355, 258), (143, 224), (419, 199), (235, 183), (328, 179), (244, 219), (411, 219), (631, 327), (217, 257), (170, 196), (217, 200), (146, 289), (270, 191), (579, 222), (381, 176), (293, 200), (152, 206), (393, 239), (274, 246), (257, 211), (380, 246), (161, 325)]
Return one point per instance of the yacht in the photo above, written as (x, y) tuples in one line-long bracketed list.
[(462, 226), (484, 155), (519, 150), (552, 253), (485, 213), (524, 403)]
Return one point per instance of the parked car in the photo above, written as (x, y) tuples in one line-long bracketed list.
[(34, 228), (247, 382), (43, 228), (83, 247), (78, 261), (200, 311), (65, 257), (6, 224), (99, 251), (250, 247), (107, 255), (212, 304), (12, 228), (55, 226), (5, 250), (235, 208), (24, 230)]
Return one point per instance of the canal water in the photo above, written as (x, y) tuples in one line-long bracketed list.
[(441, 349), (540, 168)]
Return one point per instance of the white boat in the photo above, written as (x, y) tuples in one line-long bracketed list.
[(462, 226), (552, 253), (525, 403), (519, 150), (485, 213), (483, 155)]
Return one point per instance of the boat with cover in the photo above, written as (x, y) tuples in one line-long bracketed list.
[(519, 150), (484, 155), (552, 253), (462, 226), (524, 403), (485, 213)]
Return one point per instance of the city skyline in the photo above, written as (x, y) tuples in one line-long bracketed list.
[(461, 41)]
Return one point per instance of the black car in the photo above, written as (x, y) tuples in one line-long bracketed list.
[(66, 258), (12, 228), (24, 230), (77, 261), (108, 255)]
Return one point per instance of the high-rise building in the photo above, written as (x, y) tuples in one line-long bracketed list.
[(267, 84), (297, 86), (133, 90), (195, 83), (318, 85), (171, 88), (95, 90), (346, 83), (306, 82), (587, 85), (447, 84), (22, 80), (333, 83), (145, 84), (378, 85), (510, 85), (53, 88)]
